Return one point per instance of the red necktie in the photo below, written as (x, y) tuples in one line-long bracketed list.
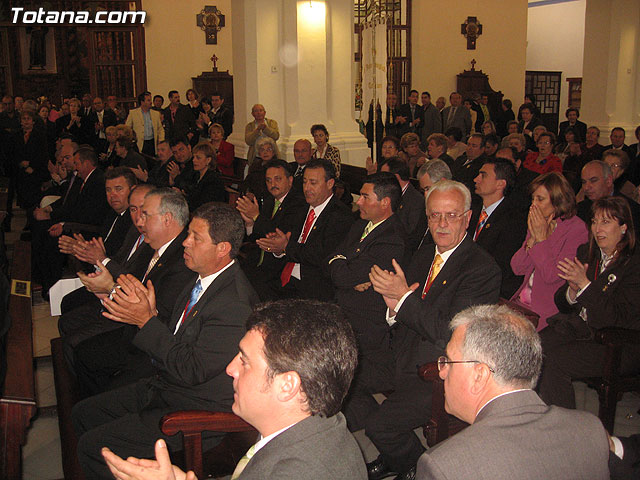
[(481, 222), (285, 276)]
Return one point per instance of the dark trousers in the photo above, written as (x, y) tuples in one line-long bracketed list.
[(149, 148), (567, 358), (109, 360), (112, 420), (115, 419), (390, 425)]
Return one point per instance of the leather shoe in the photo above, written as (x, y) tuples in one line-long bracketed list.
[(377, 470), (408, 475)]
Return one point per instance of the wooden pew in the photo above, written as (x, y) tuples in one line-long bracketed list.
[(18, 402)]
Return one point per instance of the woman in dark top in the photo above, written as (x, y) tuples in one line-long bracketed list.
[(30, 156), (50, 131), (207, 187), (194, 103), (128, 157), (255, 181), (601, 290)]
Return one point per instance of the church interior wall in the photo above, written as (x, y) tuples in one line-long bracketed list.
[(176, 48), (439, 50), (555, 42)]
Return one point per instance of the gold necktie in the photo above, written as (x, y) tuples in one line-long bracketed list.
[(152, 263), (367, 231), (435, 270)]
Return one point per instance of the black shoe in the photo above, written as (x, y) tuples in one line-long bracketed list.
[(377, 470), (408, 475)]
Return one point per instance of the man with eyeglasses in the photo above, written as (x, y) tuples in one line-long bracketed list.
[(442, 279), (492, 362)]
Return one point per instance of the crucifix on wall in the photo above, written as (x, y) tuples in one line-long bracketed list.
[(471, 29), (210, 21)]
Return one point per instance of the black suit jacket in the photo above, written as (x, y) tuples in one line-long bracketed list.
[(366, 310), (609, 301), (405, 111), (328, 231), (290, 214), (120, 262), (466, 173), (184, 122), (579, 127), (469, 277), (207, 189), (190, 365), (413, 218), (90, 206), (224, 117), (501, 237)]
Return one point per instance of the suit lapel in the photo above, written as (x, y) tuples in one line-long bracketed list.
[(220, 282)]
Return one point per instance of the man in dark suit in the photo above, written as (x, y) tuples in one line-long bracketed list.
[(302, 153), (432, 120), (520, 195), (375, 239), (456, 115), (307, 246), (221, 113), (410, 212), (178, 119), (597, 182), (497, 225), (132, 257), (89, 208), (467, 166), (442, 279), (100, 350), (292, 373), (410, 116), (579, 127), (119, 183), (617, 141), (190, 349), (492, 361), (95, 124), (283, 209)]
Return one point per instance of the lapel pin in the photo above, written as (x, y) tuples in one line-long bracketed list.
[(444, 282)]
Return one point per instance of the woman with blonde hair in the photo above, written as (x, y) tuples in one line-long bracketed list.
[(554, 233)]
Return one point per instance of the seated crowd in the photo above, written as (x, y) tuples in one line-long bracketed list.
[(458, 210)]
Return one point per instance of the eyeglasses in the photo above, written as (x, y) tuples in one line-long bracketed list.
[(444, 361), (450, 217), (145, 216), (544, 143)]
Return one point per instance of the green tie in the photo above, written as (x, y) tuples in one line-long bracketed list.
[(243, 462), (276, 206)]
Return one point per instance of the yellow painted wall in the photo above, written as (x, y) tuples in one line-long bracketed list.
[(555, 42), (176, 48), (439, 50)]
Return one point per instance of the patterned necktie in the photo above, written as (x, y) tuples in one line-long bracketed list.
[(481, 223), (435, 270), (285, 276), (152, 264), (276, 206), (193, 299), (243, 462), (367, 231)]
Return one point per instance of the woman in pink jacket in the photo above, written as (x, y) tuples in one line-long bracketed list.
[(554, 233)]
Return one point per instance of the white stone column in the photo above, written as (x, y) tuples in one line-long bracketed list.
[(295, 58), (611, 76)]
